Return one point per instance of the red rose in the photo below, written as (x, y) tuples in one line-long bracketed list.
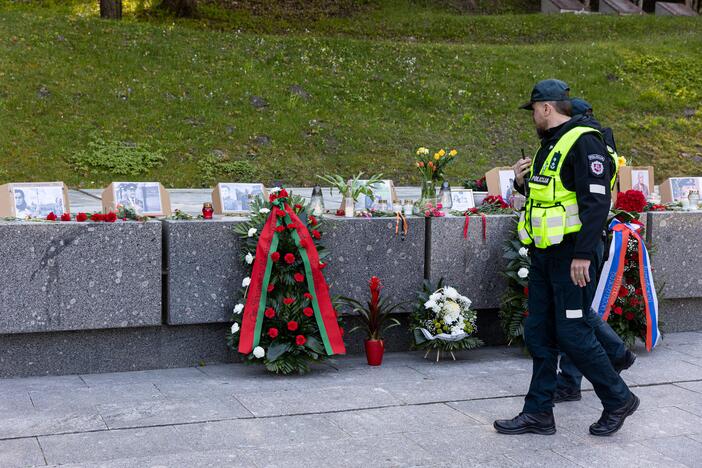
[(292, 226), (275, 256), (96, 217), (288, 300), (526, 290), (617, 310), (629, 316), (299, 277), (308, 311), (638, 291), (298, 207), (272, 332), (81, 217), (272, 197), (270, 287), (308, 296), (269, 313), (66, 217), (289, 258), (300, 340), (322, 266), (280, 213), (51, 217), (280, 228), (631, 200), (111, 217), (623, 291), (634, 302), (292, 325), (312, 220), (316, 234), (282, 194)]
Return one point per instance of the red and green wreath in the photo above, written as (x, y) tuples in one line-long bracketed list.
[(285, 319)]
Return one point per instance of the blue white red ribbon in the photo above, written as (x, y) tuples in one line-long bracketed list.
[(613, 271)]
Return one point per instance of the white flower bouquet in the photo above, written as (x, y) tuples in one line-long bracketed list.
[(443, 320)]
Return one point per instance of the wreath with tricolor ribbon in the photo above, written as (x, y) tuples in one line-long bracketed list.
[(286, 318)]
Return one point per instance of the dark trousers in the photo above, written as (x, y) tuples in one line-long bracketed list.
[(558, 321), (570, 378)]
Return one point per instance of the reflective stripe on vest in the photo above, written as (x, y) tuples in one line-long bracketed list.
[(551, 210)]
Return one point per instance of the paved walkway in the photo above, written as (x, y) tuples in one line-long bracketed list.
[(409, 412)]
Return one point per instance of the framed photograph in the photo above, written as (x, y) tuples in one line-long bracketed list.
[(235, 197), (34, 200), (145, 198), (462, 199), (636, 178), (676, 188), (383, 190)]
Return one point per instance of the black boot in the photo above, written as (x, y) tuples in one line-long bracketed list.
[(566, 394), (538, 423), (611, 421), (626, 362)]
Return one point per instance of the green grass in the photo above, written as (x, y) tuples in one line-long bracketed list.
[(181, 90)]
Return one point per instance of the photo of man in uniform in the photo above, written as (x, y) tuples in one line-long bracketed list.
[(641, 183), (129, 197), (22, 208)]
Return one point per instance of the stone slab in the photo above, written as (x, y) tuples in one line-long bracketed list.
[(617, 455), (36, 422), (79, 276), (676, 247), (20, 452), (620, 7), (472, 265), (204, 270), (674, 9), (231, 458), (114, 350), (679, 315)]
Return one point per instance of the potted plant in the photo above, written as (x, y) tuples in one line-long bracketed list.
[(350, 190), (375, 320)]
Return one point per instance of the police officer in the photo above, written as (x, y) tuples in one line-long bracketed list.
[(569, 377), (568, 199)]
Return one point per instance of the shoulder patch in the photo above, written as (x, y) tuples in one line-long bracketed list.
[(553, 165), (596, 164)]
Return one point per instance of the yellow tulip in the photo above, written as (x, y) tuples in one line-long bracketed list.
[(437, 156), (453, 152), (442, 152), (622, 161)]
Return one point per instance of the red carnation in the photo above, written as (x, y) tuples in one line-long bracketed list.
[(638, 291), (280, 228), (631, 200), (289, 258), (292, 226), (300, 340), (617, 310), (51, 217), (634, 302), (275, 256), (316, 234), (283, 193), (288, 300), (66, 217), (298, 207), (629, 316), (299, 277), (272, 332), (308, 311), (623, 291), (270, 287), (81, 217), (280, 213), (272, 197), (111, 217), (292, 325), (308, 296), (312, 220), (269, 313)]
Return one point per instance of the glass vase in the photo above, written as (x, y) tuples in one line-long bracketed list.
[(427, 199)]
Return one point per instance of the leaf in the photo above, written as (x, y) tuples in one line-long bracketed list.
[(315, 345), (275, 350)]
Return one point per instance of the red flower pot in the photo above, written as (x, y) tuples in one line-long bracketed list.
[(374, 352)]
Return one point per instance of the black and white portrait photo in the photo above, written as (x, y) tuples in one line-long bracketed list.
[(143, 197), (237, 197), (38, 201)]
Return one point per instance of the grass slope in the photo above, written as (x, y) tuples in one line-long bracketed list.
[(82, 99)]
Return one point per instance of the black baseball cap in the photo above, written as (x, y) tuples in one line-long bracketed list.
[(548, 90), (580, 106)]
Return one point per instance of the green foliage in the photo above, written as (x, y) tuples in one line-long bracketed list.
[(116, 157), (514, 301), (353, 185), (213, 169), (375, 315)]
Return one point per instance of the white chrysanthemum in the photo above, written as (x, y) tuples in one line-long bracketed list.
[(436, 296), (238, 308), (249, 258), (523, 251), (430, 304), (457, 330), (246, 282), (451, 311), (523, 272), (235, 327), (252, 231), (259, 352), (450, 292), (464, 302), (274, 190), (264, 211)]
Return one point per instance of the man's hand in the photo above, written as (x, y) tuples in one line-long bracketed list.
[(579, 272), (521, 168)]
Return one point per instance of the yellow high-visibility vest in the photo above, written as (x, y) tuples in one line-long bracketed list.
[(551, 210)]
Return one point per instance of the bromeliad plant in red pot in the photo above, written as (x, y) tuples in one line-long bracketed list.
[(375, 320)]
